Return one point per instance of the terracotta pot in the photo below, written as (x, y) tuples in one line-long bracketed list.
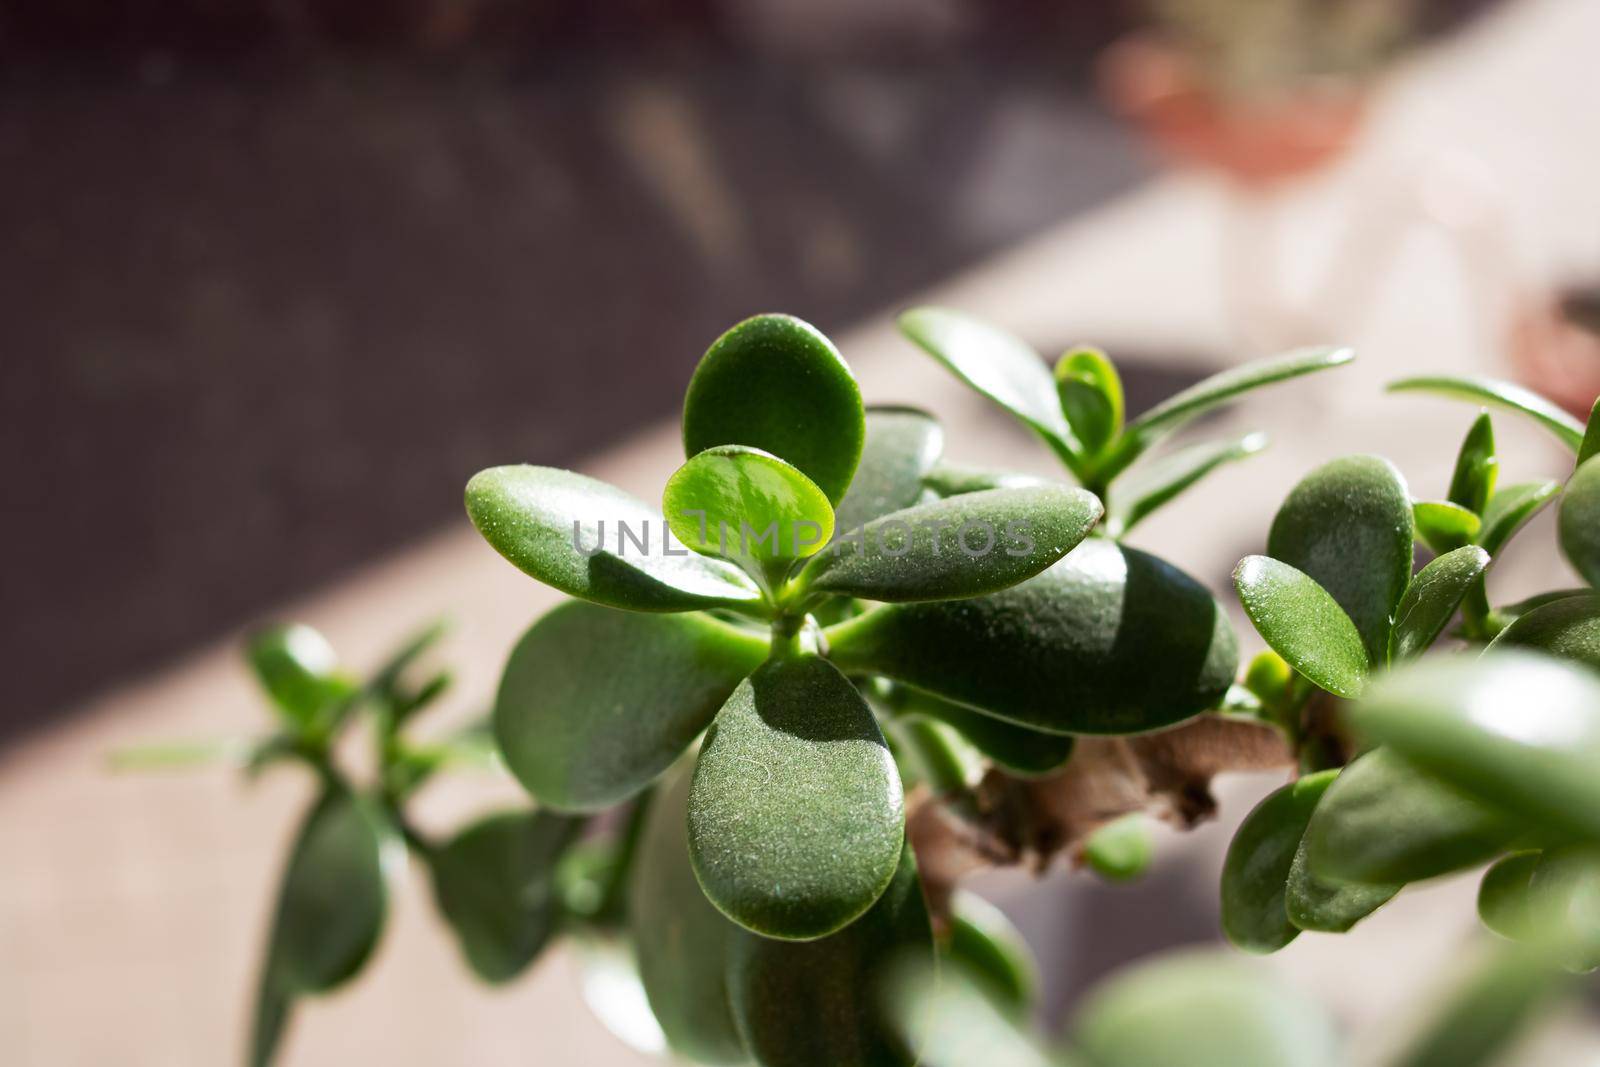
[(1257, 142), (1556, 356)]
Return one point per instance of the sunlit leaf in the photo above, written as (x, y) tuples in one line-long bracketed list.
[(1444, 526), (1580, 522), (1149, 487), (1303, 624), (1472, 482), (744, 504), (1499, 394), (1090, 392), (1510, 509)]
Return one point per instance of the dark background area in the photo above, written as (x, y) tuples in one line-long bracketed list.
[(276, 277)]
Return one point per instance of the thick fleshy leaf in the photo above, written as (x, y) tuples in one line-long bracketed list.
[(953, 1016), (592, 540), (335, 894), (1384, 822), (1487, 1011), (1568, 628), (680, 940), (983, 941), (1328, 907), (1432, 598), (1021, 751), (1503, 896), (1255, 874), (960, 547), (1444, 526), (299, 670), (1155, 484), (796, 815), (1090, 392), (1507, 614), (1472, 483), (1510, 509), (269, 1021), (902, 447), (1564, 904), (1213, 392), (595, 703), (746, 504), (1499, 394), (1001, 367), (1591, 435), (1517, 729), (1348, 525), (1303, 624), (1580, 522), (799, 1004), (776, 383), (1110, 640), (950, 479), (1121, 850), (1202, 1009), (930, 753), (494, 881)]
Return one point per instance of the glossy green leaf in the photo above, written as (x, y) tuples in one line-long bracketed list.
[(952, 1015), (1507, 614), (595, 703), (494, 882), (1563, 904), (334, 897), (1329, 907), (592, 540), (1348, 525), (1591, 436), (1090, 393), (776, 383), (1384, 822), (960, 547), (1472, 482), (1303, 624), (996, 364), (1255, 874), (983, 941), (680, 940), (1499, 394), (1579, 522), (800, 1004), (1109, 640), (1487, 1011), (1155, 484), (299, 670), (1568, 628), (1503, 896), (902, 447), (1121, 850), (796, 815), (744, 504), (1432, 598), (1202, 1009), (1021, 751), (950, 479), (1510, 509), (1517, 729), (1444, 526)]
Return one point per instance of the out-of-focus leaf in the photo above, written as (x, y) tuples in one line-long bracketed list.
[(299, 670), (1121, 850), (1160, 481), (951, 1015), (902, 446), (983, 941), (1021, 751), (1326, 907), (1567, 628), (1303, 624), (179, 755), (1563, 904), (1499, 394), (1590, 447), (1256, 870), (613, 993), (949, 479), (1486, 1011), (1503, 896), (1432, 598), (1580, 522)]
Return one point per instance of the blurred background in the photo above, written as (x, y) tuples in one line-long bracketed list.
[(276, 276)]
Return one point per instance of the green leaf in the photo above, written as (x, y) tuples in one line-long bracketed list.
[(1472, 483), (1384, 822), (1348, 525), (996, 364), (592, 540), (1432, 598), (776, 383), (1213, 392), (679, 939), (1110, 640), (1499, 394), (1510, 509), (1329, 907), (800, 1004), (1507, 614), (1150, 487), (1022, 752), (1202, 1009), (1579, 522), (953, 1016), (299, 670), (984, 943), (1563, 904), (1268, 677), (1591, 436), (930, 753), (1090, 393), (1568, 628), (1518, 730), (612, 992), (1504, 896), (1486, 1012), (334, 896), (1121, 850), (949, 479), (180, 755), (1255, 873), (270, 1019), (1444, 526), (796, 815), (595, 703), (902, 447), (744, 504), (1303, 624), (960, 547), (494, 881)]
